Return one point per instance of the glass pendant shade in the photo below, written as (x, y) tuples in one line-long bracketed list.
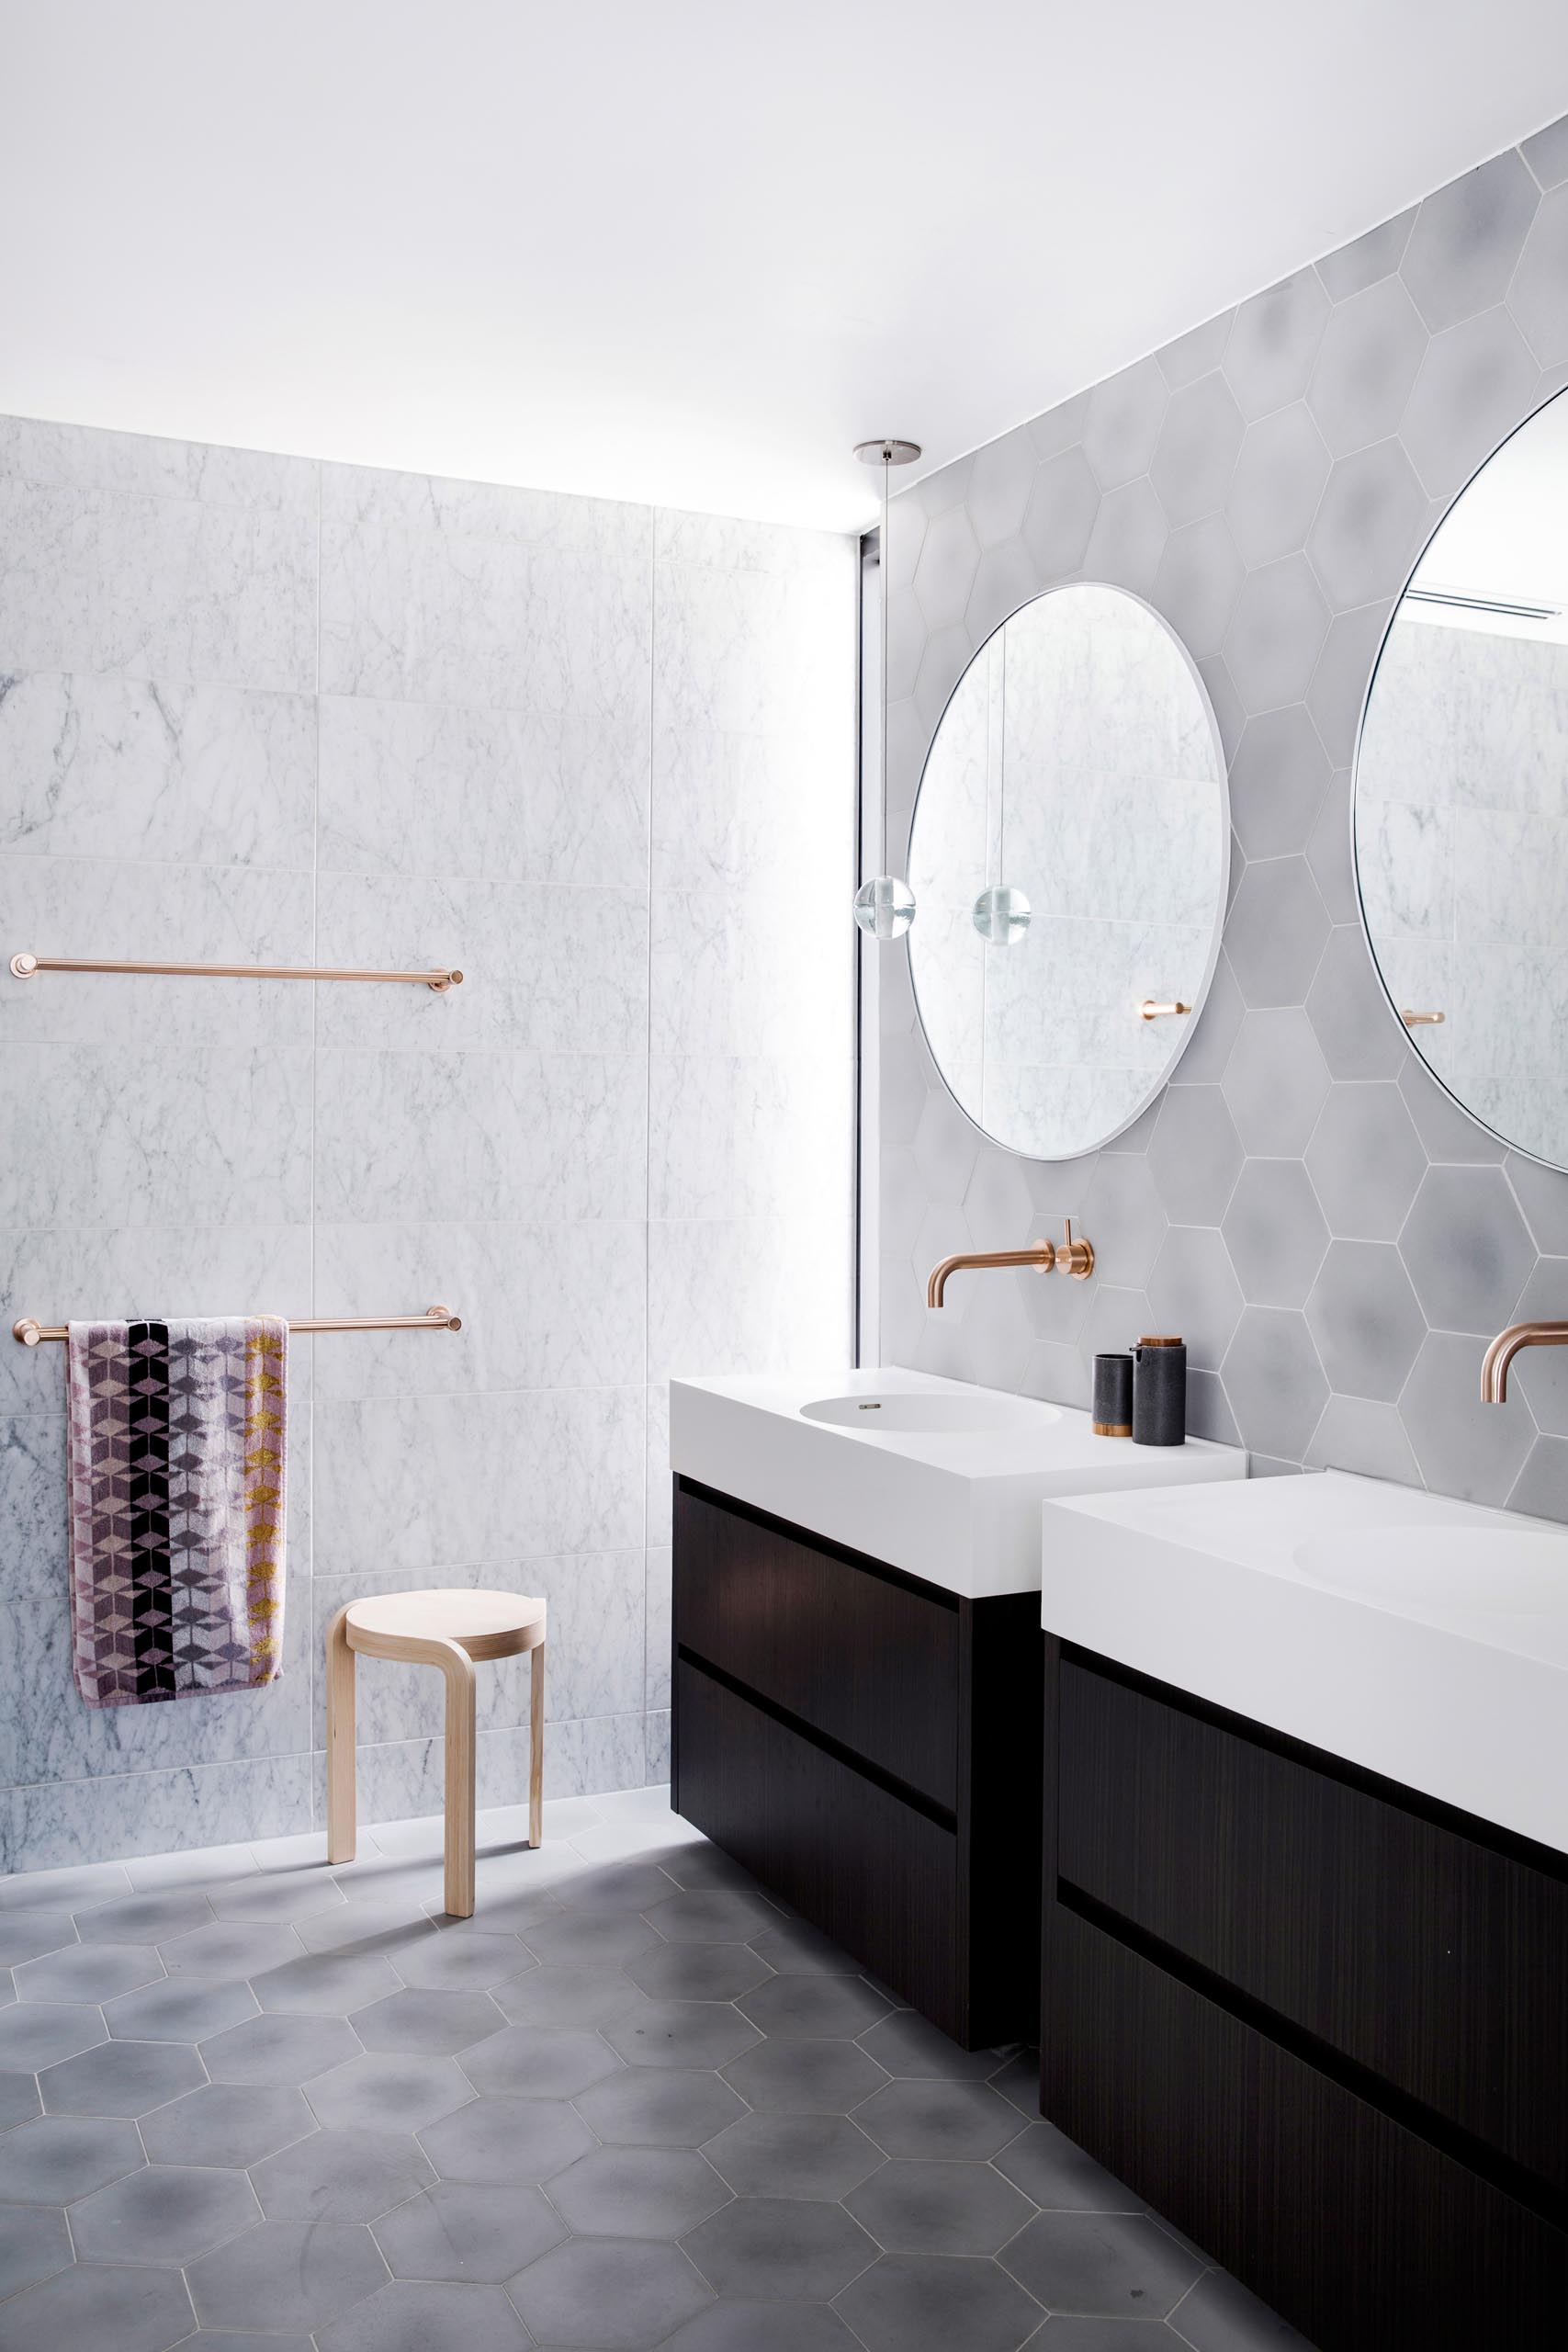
[(1001, 916), (885, 907)]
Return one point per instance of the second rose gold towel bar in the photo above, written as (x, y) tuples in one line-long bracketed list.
[(25, 966), (434, 1318)]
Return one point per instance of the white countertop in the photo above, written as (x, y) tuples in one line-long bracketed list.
[(959, 1507), (1421, 1638)]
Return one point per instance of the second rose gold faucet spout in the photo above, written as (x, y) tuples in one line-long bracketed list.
[(1068, 1256)]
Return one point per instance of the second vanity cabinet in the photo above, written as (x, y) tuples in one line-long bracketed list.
[(869, 1746)]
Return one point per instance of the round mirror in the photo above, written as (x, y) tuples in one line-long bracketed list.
[(1461, 794), (1069, 859)]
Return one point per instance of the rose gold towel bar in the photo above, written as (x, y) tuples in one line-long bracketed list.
[(434, 1318), (25, 967)]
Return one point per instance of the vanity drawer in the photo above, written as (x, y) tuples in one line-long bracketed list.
[(1433, 1960), (870, 1871), (860, 1654)]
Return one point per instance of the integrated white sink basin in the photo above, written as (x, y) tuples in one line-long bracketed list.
[(940, 1478), (943, 1414), (1424, 1639)]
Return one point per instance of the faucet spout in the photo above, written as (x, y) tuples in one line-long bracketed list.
[(1072, 1255), (1506, 1346)]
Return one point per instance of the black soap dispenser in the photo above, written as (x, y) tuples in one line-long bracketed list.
[(1159, 1390)]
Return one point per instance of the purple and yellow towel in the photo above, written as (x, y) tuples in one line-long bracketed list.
[(176, 1464)]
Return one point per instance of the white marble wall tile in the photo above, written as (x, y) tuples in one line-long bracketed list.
[(754, 652), (139, 1136), (415, 1482), (746, 973), (137, 768), (565, 970), (726, 543), (78, 1274), (594, 1652), (659, 1525), (517, 1136), (32, 1504), (162, 588), (543, 1306), (657, 1611), (152, 912), (733, 811), (80, 456), (599, 530), (582, 1757), (503, 623), (748, 1294), (523, 796), (657, 1766), (748, 1137), (153, 1813)]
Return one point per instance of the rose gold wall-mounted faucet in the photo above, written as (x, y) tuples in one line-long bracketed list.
[(1068, 1256)]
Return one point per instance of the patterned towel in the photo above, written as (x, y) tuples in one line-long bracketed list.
[(176, 1467)]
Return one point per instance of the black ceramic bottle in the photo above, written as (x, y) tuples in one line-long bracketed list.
[(1159, 1392), (1114, 1396)]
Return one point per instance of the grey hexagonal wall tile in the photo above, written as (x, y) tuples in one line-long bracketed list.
[(1197, 584), (1194, 1294), (1274, 342), (1366, 1161), (1274, 1381), (1476, 383), (1463, 1447), (1542, 1194), (1467, 239), (1541, 1486), (998, 1330), (1372, 523), (1195, 1156), (1329, 856), (1196, 452), (1060, 427), (947, 1149), (1004, 579), (1468, 1250), (1276, 1083), (1540, 1375), (907, 634), (1368, 258), (1349, 1011), (1276, 634), (1547, 153), (1358, 1433), (944, 575), (1122, 422), (1337, 692), (1278, 481), (1223, 700), (1534, 296), (1274, 1232), (1278, 779), (1275, 932), (1448, 1132), (1128, 539), (1060, 514), (1196, 352), (999, 483), (1371, 355), (1366, 1319), (1124, 1217), (945, 657)]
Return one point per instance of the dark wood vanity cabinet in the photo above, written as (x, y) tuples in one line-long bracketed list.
[(869, 1747), (1320, 2022)]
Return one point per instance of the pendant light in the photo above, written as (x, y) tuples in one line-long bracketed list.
[(885, 907)]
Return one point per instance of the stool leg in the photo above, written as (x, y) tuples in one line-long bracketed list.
[(458, 1669), (341, 1805), (536, 1749)]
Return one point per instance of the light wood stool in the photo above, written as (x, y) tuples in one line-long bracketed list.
[(449, 1629)]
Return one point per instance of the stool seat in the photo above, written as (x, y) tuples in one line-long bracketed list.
[(448, 1628), (487, 1624)]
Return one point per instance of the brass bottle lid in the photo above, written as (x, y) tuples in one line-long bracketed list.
[(1157, 1341)]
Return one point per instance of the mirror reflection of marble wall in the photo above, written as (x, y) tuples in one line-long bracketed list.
[(1461, 794), (1078, 762)]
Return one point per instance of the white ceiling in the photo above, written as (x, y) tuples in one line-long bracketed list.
[(691, 250)]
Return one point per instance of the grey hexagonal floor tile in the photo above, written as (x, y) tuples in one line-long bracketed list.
[(1220, 2315), (58, 2158), (794, 2156), (1057, 2174), (912, 2303), (35, 2034), (432, 2024), (921, 2205), (637, 2192), (658, 2107), (461, 1960), (145, 1919), (165, 2214), (121, 2078), (601, 1939), (788, 2246), (341, 2177), (229, 1948), (283, 1895), (531, 2062), (938, 2118), (806, 2077), (736, 2326), (713, 1916), (301, 2274), (34, 2244), (910, 2045), (794, 1949), (178, 2008), (557, 1994), (227, 2123), (325, 1984), (681, 2033), (135, 2310), (1113, 2266), (506, 2141), (389, 2092), (18, 2099), (459, 2230), (409, 2317), (697, 1972), (616, 1886), (814, 2008), (24, 1935), (273, 2049), (619, 2293)]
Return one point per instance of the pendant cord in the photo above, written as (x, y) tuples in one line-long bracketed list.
[(886, 569)]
